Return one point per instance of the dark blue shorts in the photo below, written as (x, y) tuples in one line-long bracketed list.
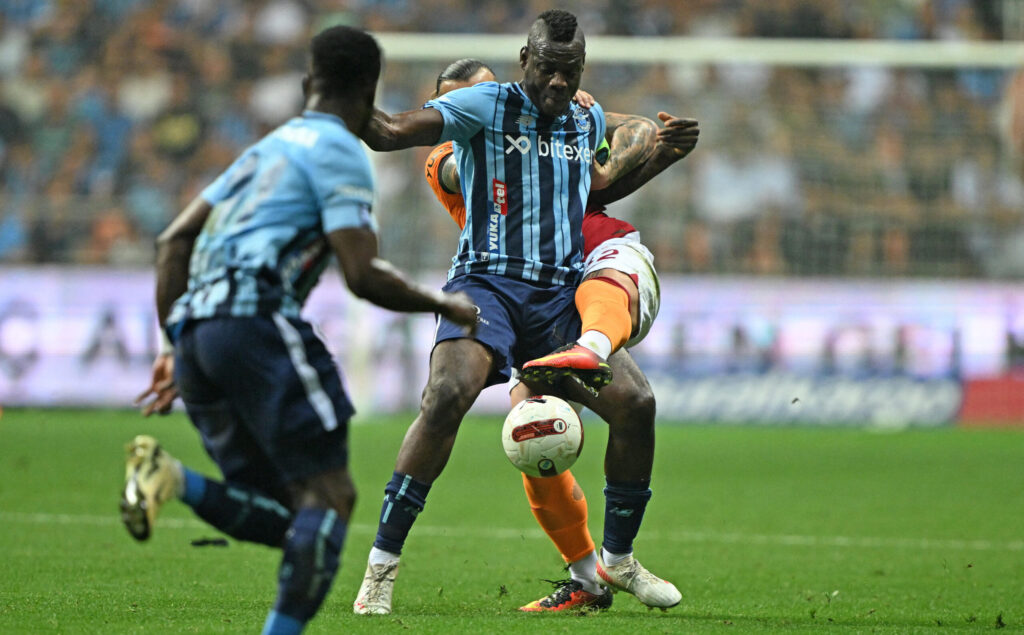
[(266, 397), (519, 320)]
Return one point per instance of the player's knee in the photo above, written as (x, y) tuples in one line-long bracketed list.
[(446, 399), (332, 490), (638, 407)]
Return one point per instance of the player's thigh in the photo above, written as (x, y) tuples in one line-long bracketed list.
[(284, 386), (497, 300), (225, 437), (549, 321)]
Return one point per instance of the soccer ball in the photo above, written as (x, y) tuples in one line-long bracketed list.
[(542, 436)]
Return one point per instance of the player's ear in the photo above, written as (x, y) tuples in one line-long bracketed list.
[(524, 56), (305, 88)]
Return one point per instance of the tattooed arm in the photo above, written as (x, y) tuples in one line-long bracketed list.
[(632, 139), (675, 140)]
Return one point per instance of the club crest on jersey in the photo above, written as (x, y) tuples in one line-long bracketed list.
[(582, 120), (526, 120)]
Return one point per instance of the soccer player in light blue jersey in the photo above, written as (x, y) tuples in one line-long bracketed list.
[(233, 271), (524, 152)]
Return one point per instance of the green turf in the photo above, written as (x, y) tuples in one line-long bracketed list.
[(763, 530)]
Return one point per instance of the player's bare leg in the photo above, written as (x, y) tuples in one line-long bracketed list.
[(628, 406), (458, 372), (608, 303)]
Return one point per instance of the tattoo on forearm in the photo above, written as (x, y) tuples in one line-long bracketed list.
[(633, 140)]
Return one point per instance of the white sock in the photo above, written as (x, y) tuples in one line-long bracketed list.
[(584, 571), (612, 559), (597, 342), (379, 556)]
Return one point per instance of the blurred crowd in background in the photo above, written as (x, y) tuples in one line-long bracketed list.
[(115, 113)]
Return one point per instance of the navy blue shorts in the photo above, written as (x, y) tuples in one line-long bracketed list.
[(518, 321), (266, 397)]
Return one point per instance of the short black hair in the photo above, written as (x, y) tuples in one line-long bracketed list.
[(460, 71), (561, 25), (344, 58)]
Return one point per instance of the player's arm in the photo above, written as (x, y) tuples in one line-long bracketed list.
[(631, 139), (376, 280), (675, 140), (173, 250), (385, 132)]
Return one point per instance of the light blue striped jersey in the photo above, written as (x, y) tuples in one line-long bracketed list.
[(525, 179), (264, 245)]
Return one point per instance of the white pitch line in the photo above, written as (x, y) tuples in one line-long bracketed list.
[(532, 533)]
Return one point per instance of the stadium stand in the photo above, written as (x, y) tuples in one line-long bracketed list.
[(115, 113)]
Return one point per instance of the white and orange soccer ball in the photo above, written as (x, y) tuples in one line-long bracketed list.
[(542, 436)]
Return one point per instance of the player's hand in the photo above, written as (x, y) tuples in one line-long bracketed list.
[(459, 308), (679, 135), (584, 98), (161, 387)]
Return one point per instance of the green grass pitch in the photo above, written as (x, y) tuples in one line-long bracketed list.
[(763, 530)]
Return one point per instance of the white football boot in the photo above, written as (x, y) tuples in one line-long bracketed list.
[(374, 596), (152, 477), (631, 576)]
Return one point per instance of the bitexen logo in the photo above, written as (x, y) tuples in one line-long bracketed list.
[(549, 148)]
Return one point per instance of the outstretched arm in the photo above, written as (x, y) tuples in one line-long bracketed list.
[(386, 132), (376, 280), (674, 141)]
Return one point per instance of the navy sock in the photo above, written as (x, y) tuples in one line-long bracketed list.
[(404, 498), (312, 553), (623, 512), (239, 512)]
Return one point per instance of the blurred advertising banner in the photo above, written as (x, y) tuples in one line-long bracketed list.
[(734, 350)]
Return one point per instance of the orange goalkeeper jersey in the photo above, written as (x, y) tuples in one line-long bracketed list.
[(452, 202)]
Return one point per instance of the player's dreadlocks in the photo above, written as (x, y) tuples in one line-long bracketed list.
[(344, 58)]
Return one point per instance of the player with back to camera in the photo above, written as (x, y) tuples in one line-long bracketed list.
[(616, 264), (233, 271), (524, 152)]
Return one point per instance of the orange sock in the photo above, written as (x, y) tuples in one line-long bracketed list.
[(604, 307), (560, 507)]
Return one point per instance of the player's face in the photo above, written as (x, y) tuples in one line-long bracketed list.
[(551, 74), (481, 75)]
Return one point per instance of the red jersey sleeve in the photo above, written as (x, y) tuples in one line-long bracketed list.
[(599, 227), (454, 203)]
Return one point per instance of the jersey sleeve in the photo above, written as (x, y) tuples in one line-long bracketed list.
[(238, 173), (452, 202), (342, 177), (466, 110)]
